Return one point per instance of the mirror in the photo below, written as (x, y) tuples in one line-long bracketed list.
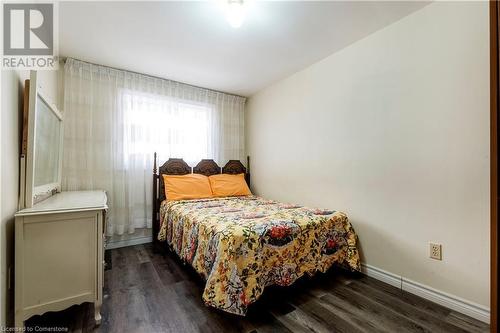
[(41, 158), (47, 137)]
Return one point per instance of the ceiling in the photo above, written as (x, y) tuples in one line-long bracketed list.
[(192, 42)]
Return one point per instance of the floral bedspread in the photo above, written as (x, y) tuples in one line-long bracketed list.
[(243, 244)]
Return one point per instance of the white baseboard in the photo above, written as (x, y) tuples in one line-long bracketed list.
[(471, 309), (381, 275), (128, 242), (452, 302)]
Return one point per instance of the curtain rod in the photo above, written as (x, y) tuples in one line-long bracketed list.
[(63, 59)]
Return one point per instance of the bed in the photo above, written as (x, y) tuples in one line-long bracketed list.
[(240, 245)]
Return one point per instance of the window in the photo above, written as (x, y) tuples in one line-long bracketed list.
[(171, 127)]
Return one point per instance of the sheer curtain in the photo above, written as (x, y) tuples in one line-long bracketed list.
[(115, 120)]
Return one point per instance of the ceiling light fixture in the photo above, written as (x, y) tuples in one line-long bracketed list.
[(235, 12)]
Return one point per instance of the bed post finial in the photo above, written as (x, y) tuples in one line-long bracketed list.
[(154, 164)]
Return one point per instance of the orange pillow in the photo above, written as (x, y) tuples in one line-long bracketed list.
[(225, 185), (192, 186)]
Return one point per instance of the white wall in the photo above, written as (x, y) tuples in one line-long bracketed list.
[(393, 130), (9, 152), (12, 85)]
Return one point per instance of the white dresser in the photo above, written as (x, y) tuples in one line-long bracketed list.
[(59, 254)]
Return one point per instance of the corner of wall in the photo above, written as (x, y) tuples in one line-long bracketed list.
[(12, 87)]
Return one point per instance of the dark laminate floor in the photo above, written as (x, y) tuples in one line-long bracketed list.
[(145, 292)]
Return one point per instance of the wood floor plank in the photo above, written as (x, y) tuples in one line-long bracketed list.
[(313, 308), (396, 304), (418, 302), (299, 321), (149, 292), (89, 322), (467, 323), (159, 299), (169, 268), (142, 254), (265, 322), (332, 321), (368, 314), (193, 305)]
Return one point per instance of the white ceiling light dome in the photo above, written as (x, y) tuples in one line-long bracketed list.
[(235, 11)]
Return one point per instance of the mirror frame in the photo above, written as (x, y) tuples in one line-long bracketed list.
[(36, 194)]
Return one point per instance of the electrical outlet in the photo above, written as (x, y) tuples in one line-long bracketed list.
[(435, 251)]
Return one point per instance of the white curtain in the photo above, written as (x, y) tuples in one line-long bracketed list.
[(115, 120)]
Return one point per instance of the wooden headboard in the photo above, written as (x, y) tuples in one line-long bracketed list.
[(177, 166)]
